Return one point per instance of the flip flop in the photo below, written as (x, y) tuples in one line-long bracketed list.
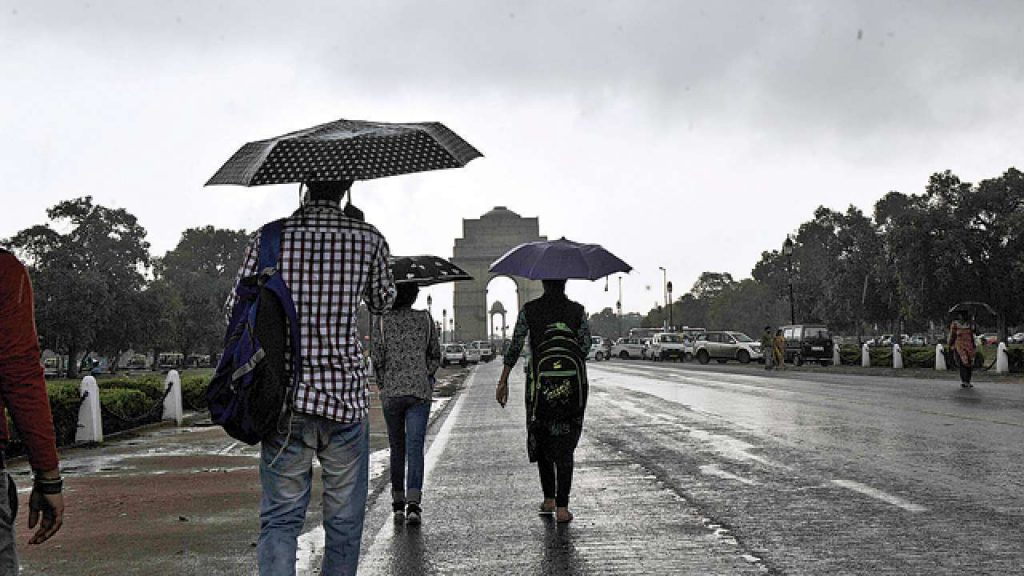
[(542, 511)]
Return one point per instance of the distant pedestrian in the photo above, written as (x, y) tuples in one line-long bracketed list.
[(406, 356), (23, 396), (779, 351), (768, 347), (330, 262), (551, 438), (961, 340)]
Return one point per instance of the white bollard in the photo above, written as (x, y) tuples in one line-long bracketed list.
[(172, 402), (1002, 360), (940, 358), (897, 357), (865, 356), (836, 358), (90, 421)]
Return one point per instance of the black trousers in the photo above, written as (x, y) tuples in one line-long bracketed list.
[(965, 371), (556, 479)]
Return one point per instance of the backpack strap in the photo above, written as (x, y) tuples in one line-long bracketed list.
[(270, 244)]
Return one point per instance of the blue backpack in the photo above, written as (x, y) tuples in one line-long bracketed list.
[(253, 388)]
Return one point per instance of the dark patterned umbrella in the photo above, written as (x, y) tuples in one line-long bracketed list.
[(346, 150), (425, 270), (559, 260)]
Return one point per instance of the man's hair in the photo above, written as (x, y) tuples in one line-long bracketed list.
[(406, 296), (553, 286), (331, 190)]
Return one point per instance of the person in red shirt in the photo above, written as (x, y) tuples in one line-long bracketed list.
[(23, 394)]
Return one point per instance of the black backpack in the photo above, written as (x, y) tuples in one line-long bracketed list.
[(251, 390), (559, 378)]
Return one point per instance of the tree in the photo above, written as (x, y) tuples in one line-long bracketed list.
[(201, 272), (711, 284), (86, 278)]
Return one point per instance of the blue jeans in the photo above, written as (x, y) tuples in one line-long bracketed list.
[(286, 474), (406, 417)]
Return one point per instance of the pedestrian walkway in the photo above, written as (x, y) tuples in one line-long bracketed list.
[(481, 495)]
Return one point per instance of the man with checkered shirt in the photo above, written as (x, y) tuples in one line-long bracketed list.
[(330, 262)]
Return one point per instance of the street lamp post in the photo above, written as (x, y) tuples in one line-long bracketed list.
[(664, 290), (671, 320), (787, 249), (618, 306)]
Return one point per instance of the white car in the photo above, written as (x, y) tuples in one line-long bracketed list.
[(667, 346), (473, 354), (598, 350), (453, 354), (485, 348), (725, 346), (627, 348)]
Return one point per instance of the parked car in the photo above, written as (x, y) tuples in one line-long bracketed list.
[(485, 349), (598, 349), (645, 351), (989, 339), (808, 343), (473, 354), (453, 354), (916, 340), (627, 348), (1017, 338), (725, 346), (667, 346)]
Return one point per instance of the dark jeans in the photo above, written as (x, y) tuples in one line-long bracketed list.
[(966, 371), (556, 479), (406, 417)]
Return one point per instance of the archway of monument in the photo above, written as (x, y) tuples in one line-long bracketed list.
[(483, 241), (502, 307)]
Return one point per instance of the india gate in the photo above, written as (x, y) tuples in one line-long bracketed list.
[(483, 241)]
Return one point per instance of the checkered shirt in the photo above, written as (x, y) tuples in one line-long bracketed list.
[(329, 262)]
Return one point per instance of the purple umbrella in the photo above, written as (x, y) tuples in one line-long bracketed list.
[(559, 260)]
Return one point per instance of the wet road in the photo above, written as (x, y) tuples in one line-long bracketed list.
[(819, 473), (685, 469)]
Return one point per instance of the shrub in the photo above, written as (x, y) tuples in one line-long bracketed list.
[(125, 408), (65, 399), (193, 392), (152, 386)]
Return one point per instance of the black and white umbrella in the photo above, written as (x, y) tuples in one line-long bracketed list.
[(425, 270), (346, 150)]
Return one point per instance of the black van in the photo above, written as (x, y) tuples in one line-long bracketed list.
[(808, 343)]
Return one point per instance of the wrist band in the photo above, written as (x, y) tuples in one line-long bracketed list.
[(48, 486)]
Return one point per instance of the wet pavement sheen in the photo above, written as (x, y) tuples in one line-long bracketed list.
[(480, 501)]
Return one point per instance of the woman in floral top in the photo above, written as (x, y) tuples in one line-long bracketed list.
[(550, 442), (406, 355), (961, 340)]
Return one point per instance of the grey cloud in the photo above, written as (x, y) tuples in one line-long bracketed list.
[(852, 68)]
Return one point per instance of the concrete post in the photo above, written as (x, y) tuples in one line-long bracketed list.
[(172, 401), (865, 356), (90, 421), (837, 359), (940, 358), (897, 357), (1002, 360)]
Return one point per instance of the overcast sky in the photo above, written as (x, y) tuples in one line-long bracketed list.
[(688, 135)]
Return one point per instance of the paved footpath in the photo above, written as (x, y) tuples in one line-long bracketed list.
[(481, 495)]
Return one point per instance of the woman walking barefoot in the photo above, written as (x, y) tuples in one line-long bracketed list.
[(552, 433)]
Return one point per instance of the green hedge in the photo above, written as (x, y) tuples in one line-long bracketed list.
[(130, 408), (152, 386), (193, 392)]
